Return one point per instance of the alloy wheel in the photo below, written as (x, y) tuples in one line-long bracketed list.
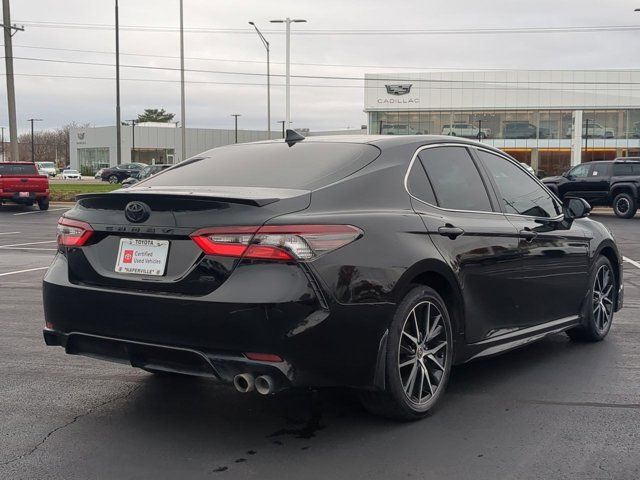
[(423, 352), (603, 297), (622, 205)]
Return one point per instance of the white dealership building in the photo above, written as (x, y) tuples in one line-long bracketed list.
[(531, 114)]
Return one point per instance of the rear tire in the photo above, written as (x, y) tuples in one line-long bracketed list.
[(418, 358), (624, 205), (598, 314), (43, 204)]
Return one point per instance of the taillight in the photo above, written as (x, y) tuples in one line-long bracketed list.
[(73, 233), (275, 242)]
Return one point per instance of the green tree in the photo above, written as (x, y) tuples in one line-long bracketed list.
[(155, 115)]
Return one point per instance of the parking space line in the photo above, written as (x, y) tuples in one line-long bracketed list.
[(41, 211), (30, 243), (9, 233), (23, 271), (632, 262)]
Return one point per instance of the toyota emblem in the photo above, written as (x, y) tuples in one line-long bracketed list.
[(137, 212)]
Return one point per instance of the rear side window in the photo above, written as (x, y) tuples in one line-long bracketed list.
[(270, 165), (418, 184), (455, 179), (519, 192), (13, 169), (626, 169)]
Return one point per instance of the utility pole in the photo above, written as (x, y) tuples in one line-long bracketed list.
[(3, 159), (183, 122), (586, 139), (236, 115), (288, 23), (9, 31), (118, 121), (33, 145), (283, 122), (133, 138), (266, 45)]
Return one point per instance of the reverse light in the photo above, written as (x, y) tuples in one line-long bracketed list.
[(73, 233), (275, 242)]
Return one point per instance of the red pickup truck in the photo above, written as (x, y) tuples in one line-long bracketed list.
[(21, 183)]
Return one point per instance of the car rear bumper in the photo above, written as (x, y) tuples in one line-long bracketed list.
[(14, 197), (320, 344)]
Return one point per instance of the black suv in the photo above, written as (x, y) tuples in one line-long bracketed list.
[(118, 173), (614, 183), (374, 262)]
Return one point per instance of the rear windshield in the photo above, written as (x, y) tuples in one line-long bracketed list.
[(304, 166), (18, 169)]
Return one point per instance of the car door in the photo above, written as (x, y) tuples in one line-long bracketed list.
[(477, 241), (575, 184), (596, 184), (553, 277)]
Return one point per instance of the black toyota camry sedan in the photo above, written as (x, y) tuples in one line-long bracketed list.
[(372, 262)]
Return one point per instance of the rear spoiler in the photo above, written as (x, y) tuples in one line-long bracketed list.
[(256, 196)]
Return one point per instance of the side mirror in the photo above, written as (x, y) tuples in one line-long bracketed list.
[(575, 207)]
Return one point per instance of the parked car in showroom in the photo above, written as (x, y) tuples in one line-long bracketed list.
[(47, 168), (518, 129), (400, 129), (71, 174), (592, 129), (465, 130), (120, 172), (612, 183), (146, 172), (373, 262), (21, 183)]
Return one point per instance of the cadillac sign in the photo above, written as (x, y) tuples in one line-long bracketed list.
[(398, 90)]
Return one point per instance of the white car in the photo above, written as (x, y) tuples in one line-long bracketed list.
[(399, 129), (593, 130), (465, 130), (47, 168), (71, 175)]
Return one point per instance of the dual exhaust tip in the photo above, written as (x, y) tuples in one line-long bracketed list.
[(246, 382)]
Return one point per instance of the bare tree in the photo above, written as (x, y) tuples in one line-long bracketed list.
[(50, 145)]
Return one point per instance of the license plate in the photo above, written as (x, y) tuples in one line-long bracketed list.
[(24, 194), (142, 257)]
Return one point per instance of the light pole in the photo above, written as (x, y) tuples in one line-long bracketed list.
[(118, 121), (288, 23), (236, 115), (133, 138), (183, 122), (266, 45), (283, 123), (2, 128), (33, 150)]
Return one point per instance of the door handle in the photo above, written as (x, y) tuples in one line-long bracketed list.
[(528, 234), (24, 180), (450, 231)]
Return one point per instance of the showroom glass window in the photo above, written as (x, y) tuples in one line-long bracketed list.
[(455, 179), (518, 191)]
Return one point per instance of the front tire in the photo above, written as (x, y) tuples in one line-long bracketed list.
[(418, 358), (624, 205), (113, 179), (599, 311)]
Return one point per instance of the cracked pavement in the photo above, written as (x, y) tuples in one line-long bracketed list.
[(553, 410)]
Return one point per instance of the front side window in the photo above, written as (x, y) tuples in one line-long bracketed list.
[(519, 193), (455, 179), (581, 171)]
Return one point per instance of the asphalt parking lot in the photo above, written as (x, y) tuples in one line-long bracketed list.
[(555, 409)]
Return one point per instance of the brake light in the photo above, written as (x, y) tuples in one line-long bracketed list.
[(73, 233), (275, 242)]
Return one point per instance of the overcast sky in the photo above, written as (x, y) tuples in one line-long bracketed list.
[(331, 103)]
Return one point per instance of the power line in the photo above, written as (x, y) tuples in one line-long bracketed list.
[(343, 65), (334, 77), (403, 32)]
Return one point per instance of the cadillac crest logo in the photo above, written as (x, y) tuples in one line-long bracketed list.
[(402, 89)]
